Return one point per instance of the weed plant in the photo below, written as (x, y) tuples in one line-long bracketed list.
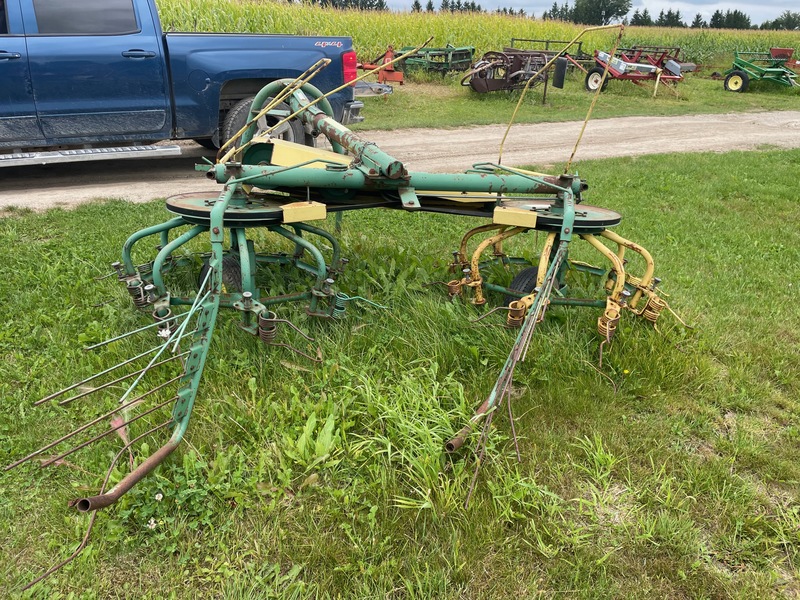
[(670, 471)]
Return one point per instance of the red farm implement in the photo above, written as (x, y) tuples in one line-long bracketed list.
[(638, 64), (387, 74)]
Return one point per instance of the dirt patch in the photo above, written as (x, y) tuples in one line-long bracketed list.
[(434, 150)]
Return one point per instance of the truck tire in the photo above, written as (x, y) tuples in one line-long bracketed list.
[(737, 81), (593, 79), (207, 143), (238, 115)]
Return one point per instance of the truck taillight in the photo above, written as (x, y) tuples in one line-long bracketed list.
[(349, 66)]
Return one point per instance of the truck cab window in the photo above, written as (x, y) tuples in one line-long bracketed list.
[(85, 17), (3, 20)]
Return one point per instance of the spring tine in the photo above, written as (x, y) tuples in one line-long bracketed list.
[(110, 431), (95, 421), (83, 543), (123, 378), (128, 334), (95, 376), (293, 326), (487, 424), (300, 352), (494, 310)]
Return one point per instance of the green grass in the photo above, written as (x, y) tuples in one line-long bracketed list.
[(672, 471), (436, 102)]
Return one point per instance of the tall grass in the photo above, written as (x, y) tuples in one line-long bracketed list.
[(372, 31)]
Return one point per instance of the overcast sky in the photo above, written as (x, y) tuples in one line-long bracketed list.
[(766, 10)]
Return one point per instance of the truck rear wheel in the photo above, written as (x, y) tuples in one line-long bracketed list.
[(237, 117)]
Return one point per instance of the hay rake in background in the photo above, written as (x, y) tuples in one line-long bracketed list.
[(278, 186)]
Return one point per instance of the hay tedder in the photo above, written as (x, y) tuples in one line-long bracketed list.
[(269, 184)]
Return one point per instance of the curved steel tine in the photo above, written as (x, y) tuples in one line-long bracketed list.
[(495, 309), (83, 543), (95, 421), (109, 432), (295, 327)]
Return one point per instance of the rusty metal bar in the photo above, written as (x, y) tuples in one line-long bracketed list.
[(108, 498)]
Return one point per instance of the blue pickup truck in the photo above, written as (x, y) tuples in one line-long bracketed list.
[(93, 79)]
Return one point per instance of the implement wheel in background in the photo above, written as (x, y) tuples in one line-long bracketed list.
[(737, 81), (594, 78), (524, 282)]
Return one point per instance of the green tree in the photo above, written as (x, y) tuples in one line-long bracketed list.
[(429, 7), (558, 13), (600, 12), (788, 20), (699, 22), (717, 20), (643, 19), (671, 18)]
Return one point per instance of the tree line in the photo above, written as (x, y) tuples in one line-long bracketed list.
[(589, 12)]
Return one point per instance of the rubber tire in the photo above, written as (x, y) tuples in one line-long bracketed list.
[(524, 281), (238, 116), (738, 77), (207, 143), (231, 274), (589, 78)]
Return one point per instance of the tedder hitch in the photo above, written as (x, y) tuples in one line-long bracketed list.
[(270, 184)]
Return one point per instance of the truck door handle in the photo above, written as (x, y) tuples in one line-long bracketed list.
[(9, 55), (136, 53)]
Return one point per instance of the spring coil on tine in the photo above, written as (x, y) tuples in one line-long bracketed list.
[(516, 314), (653, 308), (454, 287), (166, 321), (339, 305), (267, 327), (607, 323), (136, 290)]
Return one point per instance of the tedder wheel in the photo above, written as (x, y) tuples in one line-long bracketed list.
[(593, 79), (523, 282), (231, 274), (291, 131), (737, 81)]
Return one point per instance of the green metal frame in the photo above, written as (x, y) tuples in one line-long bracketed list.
[(762, 66)]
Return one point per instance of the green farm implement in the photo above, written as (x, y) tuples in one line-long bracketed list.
[(267, 184), (760, 66), (439, 60)]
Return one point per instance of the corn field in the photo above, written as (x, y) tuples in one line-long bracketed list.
[(373, 31)]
